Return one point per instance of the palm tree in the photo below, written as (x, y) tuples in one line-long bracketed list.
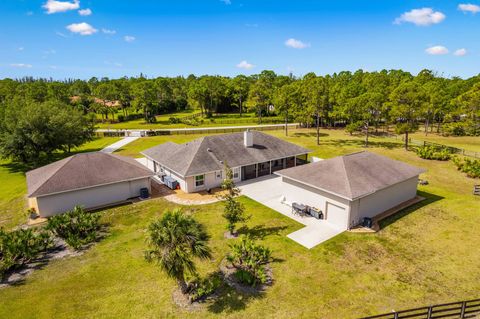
[(175, 240)]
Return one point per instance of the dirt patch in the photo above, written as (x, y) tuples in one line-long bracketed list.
[(58, 251), (229, 235), (230, 279)]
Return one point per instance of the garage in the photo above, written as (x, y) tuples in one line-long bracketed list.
[(90, 180), (336, 215), (350, 188)]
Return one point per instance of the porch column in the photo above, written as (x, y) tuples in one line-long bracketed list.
[(295, 161), (270, 167), (256, 170)]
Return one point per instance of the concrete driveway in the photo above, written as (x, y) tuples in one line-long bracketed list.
[(267, 190)]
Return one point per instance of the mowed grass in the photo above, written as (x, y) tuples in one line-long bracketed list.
[(471, 143), (426, 254), (13, 187)]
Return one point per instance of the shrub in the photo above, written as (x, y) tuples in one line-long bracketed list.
[(431, 152), (249, 260), (469, 166), (21, 246), (204, 287), (174, 120), (121, 118), (354, 127), (76, 227)]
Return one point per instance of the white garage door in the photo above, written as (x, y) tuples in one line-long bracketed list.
[(337, 215)]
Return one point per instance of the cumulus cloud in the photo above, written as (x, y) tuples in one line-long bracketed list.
[(21, 65), (245, 65), (107, 31), (460, 52), (85, 12), (81, 28), (421, 17), (437, 50), (129, 38), (468, 7), (54, 6), (296, 44)]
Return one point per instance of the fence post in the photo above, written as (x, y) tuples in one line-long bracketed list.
[(429, 314), (462, 314), (395, 315)]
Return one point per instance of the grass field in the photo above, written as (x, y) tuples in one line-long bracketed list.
[(426, 254), (471, 143), (13, 186)]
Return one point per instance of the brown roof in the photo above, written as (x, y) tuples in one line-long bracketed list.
[(352, 176), (83, 170), (208, 153)]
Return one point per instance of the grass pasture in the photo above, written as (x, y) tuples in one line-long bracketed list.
[(424, 255)]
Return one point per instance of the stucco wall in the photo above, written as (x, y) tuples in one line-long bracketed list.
[(378, 202), (90, 197), (297, 192)]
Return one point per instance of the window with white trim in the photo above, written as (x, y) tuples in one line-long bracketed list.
[(236, 173), (199, 180)]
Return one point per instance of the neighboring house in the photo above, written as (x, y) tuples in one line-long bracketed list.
[(199, 165), (351, 187), (88, 179)]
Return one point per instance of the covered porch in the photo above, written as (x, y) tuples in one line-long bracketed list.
[(267, 168)]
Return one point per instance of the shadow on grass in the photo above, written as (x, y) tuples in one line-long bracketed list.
[(429, 199), (361, 143), (260, 231), (229, 300), (310, 134)]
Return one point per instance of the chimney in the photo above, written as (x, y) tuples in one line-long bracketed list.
[(248, 138)]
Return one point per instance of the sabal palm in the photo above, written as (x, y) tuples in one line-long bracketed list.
[(175, 240)]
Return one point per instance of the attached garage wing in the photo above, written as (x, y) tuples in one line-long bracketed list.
[(337, 215)]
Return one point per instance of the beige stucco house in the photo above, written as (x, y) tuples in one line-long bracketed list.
[(199, 165), (348, 188), (90, 180)]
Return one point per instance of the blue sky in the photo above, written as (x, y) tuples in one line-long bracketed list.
[(114, 38)]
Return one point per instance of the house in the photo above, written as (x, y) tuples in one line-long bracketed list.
[(199, 165), (88, 179), (348, 188)]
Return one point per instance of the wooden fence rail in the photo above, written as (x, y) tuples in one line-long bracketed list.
[(461, 309)]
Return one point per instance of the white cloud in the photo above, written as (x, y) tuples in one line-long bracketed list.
[(81, 28), (460, 52), (437, 50), (227, 2), (129, 38), (60, 34), (85, 12), (468, 7), (245, 65), (21, 65), (296, 44), (20, 48), (54, 6), (421, 17), (107, 31)]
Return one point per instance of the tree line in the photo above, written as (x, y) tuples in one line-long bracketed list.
[(363, 101)]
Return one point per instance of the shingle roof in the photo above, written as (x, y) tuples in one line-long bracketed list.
[(207, 153), (352, 176), (82, 171)]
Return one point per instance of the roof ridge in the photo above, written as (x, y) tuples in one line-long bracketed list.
[(125, 159), (347, 178), (200, 140), (68, 159)]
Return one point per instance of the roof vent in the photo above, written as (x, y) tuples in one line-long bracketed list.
[(248, 138), (209, 149)]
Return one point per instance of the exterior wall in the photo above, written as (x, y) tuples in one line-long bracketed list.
[(378, 202), (90, 197), (32, 203), (297, 192)]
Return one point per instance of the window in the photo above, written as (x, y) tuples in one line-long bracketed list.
[(218, 174), (236, 173), (199, 180)]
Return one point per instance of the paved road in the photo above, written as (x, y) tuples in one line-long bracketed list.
[(207, 128), (115, 146)]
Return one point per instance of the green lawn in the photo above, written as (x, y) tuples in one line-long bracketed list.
[(426, 254), (13, 186), (471, 143)]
